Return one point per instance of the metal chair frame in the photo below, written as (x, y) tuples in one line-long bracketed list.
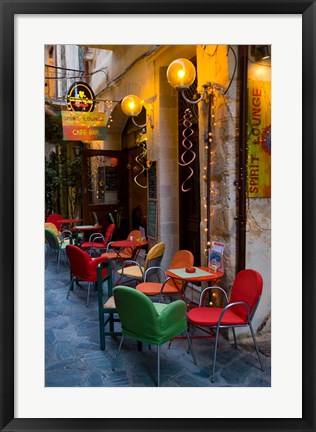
[(220, 326)]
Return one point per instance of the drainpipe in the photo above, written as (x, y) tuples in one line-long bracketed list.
[(242, 157)]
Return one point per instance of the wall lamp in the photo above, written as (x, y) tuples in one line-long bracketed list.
[(181, 74), (132, 106)]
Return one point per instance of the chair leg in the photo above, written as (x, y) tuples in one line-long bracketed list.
[(215, 352), (88, 295), (71, 287), (235, 339), (190, 346), (101, 330), (58, 260), (255, 343), (158, 365), (117, 354)]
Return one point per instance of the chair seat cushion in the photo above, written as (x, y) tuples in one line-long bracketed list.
[(208, 317), (96, 245), (153, 288), (132, 271), (110, 303)]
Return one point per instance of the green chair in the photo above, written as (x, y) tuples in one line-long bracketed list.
[(56, 244), (145, 321), (106, 307)]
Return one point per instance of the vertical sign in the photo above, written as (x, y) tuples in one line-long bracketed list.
[(259, 139)]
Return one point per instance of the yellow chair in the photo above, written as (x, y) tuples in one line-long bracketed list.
[(132, 270)]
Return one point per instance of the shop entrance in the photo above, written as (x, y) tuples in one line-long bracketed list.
[(104, 189)]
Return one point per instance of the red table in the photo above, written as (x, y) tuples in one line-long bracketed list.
[(135, 245), (68, 222)]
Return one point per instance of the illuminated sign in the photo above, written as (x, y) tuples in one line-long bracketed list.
[(83, 126), (80, 97), (259, 139)]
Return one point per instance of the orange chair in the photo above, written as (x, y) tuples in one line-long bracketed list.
[(169, 287), (245, 296), (84, 268), (95, 246)]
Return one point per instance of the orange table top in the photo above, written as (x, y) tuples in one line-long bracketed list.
[(202, 274), (128, 244)]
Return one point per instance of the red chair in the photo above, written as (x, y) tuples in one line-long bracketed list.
[(84, 268), (245, 296), (94, 245), (55, 218)]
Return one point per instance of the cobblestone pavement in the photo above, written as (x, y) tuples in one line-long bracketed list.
[(73, 357)]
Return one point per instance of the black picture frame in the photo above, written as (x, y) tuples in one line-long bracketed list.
[(7, 269)]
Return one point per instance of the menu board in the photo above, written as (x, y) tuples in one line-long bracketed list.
[(152, 181), (111, 178), (152, 219)]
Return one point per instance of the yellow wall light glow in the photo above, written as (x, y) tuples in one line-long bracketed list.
[(181, 74), (131, 105)]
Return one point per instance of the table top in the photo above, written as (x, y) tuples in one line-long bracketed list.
[(202, 274), (128, 243), (87, 227), (69, 221)]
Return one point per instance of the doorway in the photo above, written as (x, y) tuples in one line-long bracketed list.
[(104, 190), (189, 201)]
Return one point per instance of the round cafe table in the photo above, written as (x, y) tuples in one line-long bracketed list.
[(67, 223), (84, 229), (201, 274)]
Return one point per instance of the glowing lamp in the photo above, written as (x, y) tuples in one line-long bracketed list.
[(131, 105), (181, 74)]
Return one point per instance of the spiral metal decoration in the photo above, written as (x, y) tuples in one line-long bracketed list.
[(187, 144), (141, 159)]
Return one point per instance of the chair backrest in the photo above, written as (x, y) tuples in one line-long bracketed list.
[(141, 320), (51, 239), (181, 259), (135, 235), (52, 227), (95, 218), (247, 287), (80, 263), (155, 255), (55, 218), (109, 233)]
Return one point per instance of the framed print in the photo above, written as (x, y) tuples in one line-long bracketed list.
[(27, 403)]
